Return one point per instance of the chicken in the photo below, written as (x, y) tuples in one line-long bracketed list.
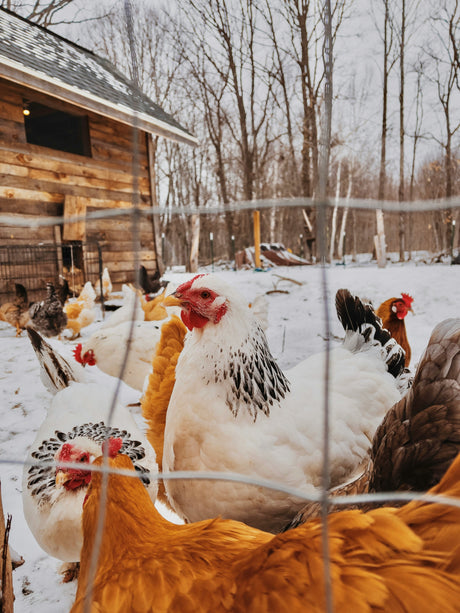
[(419, 436), (233, 409), (81, 312), (151, 284), (47, 316), (388, 559), (392, 313), (154, 309), (79, 419), (129, 310), (63, 290), (106, 285), (16, 313), (107, 349), (155, 399)]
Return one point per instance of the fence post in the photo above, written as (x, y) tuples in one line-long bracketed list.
[(233, 252), (211, 238)]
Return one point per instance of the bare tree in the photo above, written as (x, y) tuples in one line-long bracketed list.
[(48, 12)]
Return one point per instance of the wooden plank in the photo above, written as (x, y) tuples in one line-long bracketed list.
[(27, 149), (13, 193), (87, 170), (104, 182), (30, 207), (74, 230), (12, 111), (23, 184), (128, 256), (12, 234)]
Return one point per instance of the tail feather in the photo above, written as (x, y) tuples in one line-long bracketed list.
[(55, 372), (359, 317)]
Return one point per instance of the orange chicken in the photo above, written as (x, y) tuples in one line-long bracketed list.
[(388, 559), (159, 389), (16, 313), (392, 313), (80, 312)]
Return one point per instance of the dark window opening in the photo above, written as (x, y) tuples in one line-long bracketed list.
[(49, 127)]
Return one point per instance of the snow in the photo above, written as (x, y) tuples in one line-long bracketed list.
[(296, 330)]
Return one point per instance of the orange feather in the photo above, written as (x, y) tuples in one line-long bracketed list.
[(388, 559)]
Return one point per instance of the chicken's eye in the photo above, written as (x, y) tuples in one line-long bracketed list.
[(205, 295), (84, 458)]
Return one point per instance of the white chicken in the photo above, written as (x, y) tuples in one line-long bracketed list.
[(233, 409), (106, 348), (106, 285), (130, 309), (76, 425)]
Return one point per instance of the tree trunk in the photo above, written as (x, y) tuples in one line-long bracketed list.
[(195, 243), (402, 216), (334, 214)]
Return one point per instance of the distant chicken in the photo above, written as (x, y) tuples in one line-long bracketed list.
[(392, 313), (76, 425), (419, 436), (106, 285), (151, 284), (106, 348), (388, 559), (48, 316), (129, 310), (16, 313), (233, 409), (80, 311)]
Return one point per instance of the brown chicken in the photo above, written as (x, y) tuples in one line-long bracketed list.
[(16, 313), (392, 313), (419, 437), (388, 559), (159, 389)]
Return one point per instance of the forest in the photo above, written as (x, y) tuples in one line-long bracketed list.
[(247, 78)]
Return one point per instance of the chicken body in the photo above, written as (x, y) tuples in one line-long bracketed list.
[(47, 316), (77, 423), (386, 560), (392, 312), (80, 312), (16, 313), (107, 347), (419, 436), (233, 410)]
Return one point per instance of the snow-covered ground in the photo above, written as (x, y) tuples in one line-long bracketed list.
[(296, 330)]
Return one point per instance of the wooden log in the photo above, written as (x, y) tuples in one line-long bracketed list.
[(6, 578), (74, 230)]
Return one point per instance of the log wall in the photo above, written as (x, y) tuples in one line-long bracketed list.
[(38, 181)]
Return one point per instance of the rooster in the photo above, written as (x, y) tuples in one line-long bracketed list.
[(419, 436), (392, 313), (77, 422), (233, 409), (388, 559), (106, 349), (80, 312), (16, 313), (48, 316)]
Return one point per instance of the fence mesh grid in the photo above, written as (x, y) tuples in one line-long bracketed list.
[(41, 263)]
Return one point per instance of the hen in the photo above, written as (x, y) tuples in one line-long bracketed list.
[(106, 285), (47, 316), (233, 409), (151, 284), (419, 436), (80, 312), (388, 559), (106, 348), (16, 313), (77, 422), (392, 313)]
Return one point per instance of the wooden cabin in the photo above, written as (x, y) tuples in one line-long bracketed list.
[(70, 127)]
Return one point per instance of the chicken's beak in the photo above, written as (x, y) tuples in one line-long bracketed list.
[(62, 477), (172, 300)]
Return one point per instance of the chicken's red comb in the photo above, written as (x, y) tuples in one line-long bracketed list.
[(113, 446), (188, 284), (77, 353), (408, 300)]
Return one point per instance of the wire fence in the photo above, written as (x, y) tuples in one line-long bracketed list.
[(40, 263)]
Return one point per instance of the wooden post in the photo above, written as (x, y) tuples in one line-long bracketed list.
[(6, 579), (195, 224), (256, 218)]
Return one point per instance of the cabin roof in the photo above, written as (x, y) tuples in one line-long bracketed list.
[(42, 60)]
